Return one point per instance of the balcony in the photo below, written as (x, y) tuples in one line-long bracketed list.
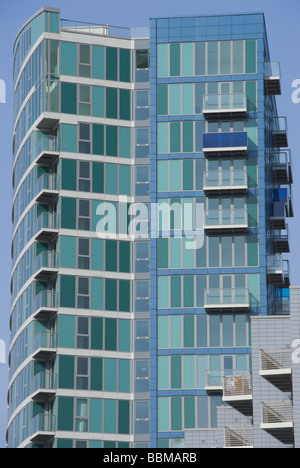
[(277, 216), (46, 227), (220, 144), (237, 392), (47, 149), (43, 386), (224, 105), (277, 419), (279, 132), (226, 220), (46, 266), (218, 182), (276, 367), (45, 305), (282, 167), (282, 305), (239, 436), (214, 381), (278, 271), (281, 241), (44, 345), (42, 428), (47, 188), (272, 78), (226, 299)]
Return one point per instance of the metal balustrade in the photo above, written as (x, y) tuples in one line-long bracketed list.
[(47, 188), (46, 264), (226, 219), (47, 148), (43, 385), (237, 385), (272, 74), (277, 412), (219, 181), (224, 104), (238, 436), (42, 427), (275, 359), (46, 226), (237, 298)]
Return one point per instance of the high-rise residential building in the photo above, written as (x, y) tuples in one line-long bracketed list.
[(152, 183)]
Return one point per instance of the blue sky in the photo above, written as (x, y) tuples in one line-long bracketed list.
[(282, 19)]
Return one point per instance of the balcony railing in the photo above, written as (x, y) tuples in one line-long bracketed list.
[(224, 104), (282, 167), (227, 299), (272, 75), (104, 30), (44, 345), (277, 215), (279, 132), (276, 359), (277, 413), (46, 265), (237, 385), (47, 148), (281, 240), (219, 181), (42, 427), (47, 188), (226, 220), (225, 143), (282, 306), (46, 226), (43, 385), (238, 436), (45, 304)]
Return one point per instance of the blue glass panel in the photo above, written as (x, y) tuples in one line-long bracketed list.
[(225, 140)]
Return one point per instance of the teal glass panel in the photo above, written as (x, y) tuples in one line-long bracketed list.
[(124, 376), (251, 56), (241, 330), (175, 99), (68, 213), (97, 333), (96, 373), (174, 59), (111, 179), (67, 331), (124, 257), (175, 139), (124, 104), (111, 294), (238, 57), (97, 293), (123, 417), (239, 251), (188, 331), (163, 292), (212, 58), (175, 372), (68, 98), (124, 296), (124, 65), (187, 59), (124, 336), (66, 372), (162, 137), (110, 334), (98, 101), (68, 252), (162, 253), (65, 414), (110, 375), (111, 140), (95, 415), (162, 99), (98, 62), (124, 180), (188, 372), (188, 137), (251, 96), (69, 174), (124, 136), (163, 372), (162, 60), (111, 63), (68, 58), (111, 103), (110, 413), (176, 331), (176, 413), (163, 414), (98, 139), (225, 57), (163, 176), (252, 250), (98, 177), (69, 138), (189, 413), (188, 98), (200, 59), (175, 291), (188, 174), (175, 176), (67, 291), (163, 331)]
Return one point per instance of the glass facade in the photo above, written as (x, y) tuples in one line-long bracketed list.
[(118, 336)]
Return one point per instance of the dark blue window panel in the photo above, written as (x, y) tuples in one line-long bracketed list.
[(280, 195), (225, 140), (278, 209)]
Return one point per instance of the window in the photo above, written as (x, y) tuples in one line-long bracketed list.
[(142, 376), (142, 143), (142, 105), (84, 177), (142, 257), (84, 220), (142, 417), (81, 421), (84, 61), (142, 296), (83, 339), (83, 262), (83, 293), (142, 59), (84, 100), (82, 378), (142, 181), (84, 138), (142, 336)]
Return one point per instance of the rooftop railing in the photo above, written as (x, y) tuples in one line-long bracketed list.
[(104, 30)]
